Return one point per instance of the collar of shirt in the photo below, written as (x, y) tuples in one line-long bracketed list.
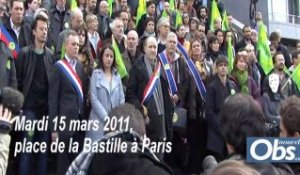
[(72, 62), (15, 28)]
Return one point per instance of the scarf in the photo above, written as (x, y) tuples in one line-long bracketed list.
[(242, 78)]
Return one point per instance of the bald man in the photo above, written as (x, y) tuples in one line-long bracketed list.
[(158, 108)]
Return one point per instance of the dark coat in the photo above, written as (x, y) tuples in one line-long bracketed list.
[(7, 68), (216, 95), (24, 38), (25, 66), (138, 79), (103, 27), (57, 25), (64, 100)]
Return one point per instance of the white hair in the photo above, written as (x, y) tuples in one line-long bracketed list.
[(172, 34), (113, 23), (150, 38)]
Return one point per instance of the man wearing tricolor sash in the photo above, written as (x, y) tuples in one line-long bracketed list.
[(67, 99), (178, 70), (149, 92)]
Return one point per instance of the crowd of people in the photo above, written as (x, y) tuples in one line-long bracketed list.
[(80, 63)]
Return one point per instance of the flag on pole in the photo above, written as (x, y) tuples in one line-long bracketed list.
[(264, 54), (140, 11), (215, 13), (225, 23), (230, 55), (119, 60)]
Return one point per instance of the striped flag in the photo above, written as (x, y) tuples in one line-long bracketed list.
[(151, 85), (119, 60)]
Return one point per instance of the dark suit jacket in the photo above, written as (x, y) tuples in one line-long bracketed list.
[(64, 99), (24, 38), (216, 95), (138, 79)]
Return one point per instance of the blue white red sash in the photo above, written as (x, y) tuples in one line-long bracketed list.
[(151, 85), (195, 73), (72, 76), (9, 41), (171, 81)]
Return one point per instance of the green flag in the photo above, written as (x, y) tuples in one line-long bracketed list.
[(178, 20), (296, 76), (140, 11), (172, 5), (73, 5), (63, 51), (110, 6), (230, 55), (264, 54), (225, 23), (119, 60), (214, 14)]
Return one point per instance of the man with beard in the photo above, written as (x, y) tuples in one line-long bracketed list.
[(90, 7), (287, 85), (246, 39)]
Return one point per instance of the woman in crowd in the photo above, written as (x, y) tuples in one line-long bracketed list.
[(196, 127), (149, 27), (220, 35), (241, 78), (106, 90), (85, 57), (213, 50), (186, 22)]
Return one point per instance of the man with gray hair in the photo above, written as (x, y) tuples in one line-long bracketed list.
[(118, 35), (104, 21), (163, 28), (76, 20), (178, 68), (158, 107)]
